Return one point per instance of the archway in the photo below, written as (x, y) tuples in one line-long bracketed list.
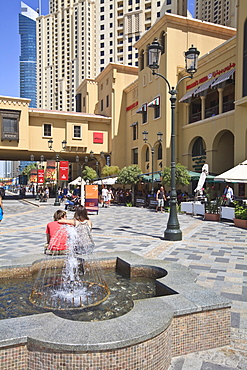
[(223, 152)]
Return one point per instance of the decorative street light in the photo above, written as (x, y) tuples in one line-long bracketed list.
[(173, 231), (145, 139), (96, 160), (77, 159), (58, 159)]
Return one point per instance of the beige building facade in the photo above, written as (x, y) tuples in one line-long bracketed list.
[(78, 39), (221, 11), (25, 131)]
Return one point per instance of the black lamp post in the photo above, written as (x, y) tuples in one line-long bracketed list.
[(58, 159), (96, 162), (145, 139), (173, 231), (77, 159)]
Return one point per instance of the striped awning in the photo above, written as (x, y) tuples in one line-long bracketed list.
[(154, 103), (224, 77), (143, 109), (188, 95), (205, 86)]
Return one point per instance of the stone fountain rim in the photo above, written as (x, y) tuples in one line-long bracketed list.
[(148, 318)]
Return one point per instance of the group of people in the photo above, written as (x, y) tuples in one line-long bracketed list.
[(57, 236)]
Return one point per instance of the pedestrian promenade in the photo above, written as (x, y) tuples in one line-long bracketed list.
[(216, 251)]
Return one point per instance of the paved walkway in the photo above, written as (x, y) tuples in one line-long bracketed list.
[(216, 251)]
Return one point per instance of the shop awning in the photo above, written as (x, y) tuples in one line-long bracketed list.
[(188, 95), (143, 109), (147, 177), (134, 124), (205, 86), (223, 77), (154, 103), (196, 175)]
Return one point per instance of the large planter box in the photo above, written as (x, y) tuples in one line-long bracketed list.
[(240, 223), (212, 216), (228, 213)]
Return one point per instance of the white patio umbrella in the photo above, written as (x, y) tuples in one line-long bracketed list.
[(107, 181), (235, 174), (202, 179)]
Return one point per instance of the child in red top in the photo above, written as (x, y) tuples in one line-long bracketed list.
[(56, 233)]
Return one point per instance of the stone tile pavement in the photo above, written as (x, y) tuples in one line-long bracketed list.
[(216, 251)]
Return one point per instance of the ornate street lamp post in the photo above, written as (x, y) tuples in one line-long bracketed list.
[(145, 139), (58, 159), (173, 231)]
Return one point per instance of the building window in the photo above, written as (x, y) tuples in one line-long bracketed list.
[(77, 132), (107, 101), (245, 61), (102, 53), (102, 27), (47, 129), (101, 105), (141, 60), (168, 2), (147, 154), (135, 131), (159, 152), (10, 124), (102, 37), (102, 17), (158, 14), (135, 156), (102, 9)]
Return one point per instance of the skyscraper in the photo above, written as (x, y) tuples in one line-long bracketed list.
[(78, 39), (217, 11), (27, 31)]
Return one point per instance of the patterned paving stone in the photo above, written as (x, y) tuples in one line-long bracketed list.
[(216, 251)]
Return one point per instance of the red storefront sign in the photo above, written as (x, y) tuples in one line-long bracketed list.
[(41, 176), (98, 137), (33, 175), (64, 171), (50, 171)]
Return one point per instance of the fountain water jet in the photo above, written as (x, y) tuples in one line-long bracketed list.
[(69, 283)]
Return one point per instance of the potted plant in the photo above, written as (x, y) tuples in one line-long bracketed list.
[(240, 219), (212, 205)]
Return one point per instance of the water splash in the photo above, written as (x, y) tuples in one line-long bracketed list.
[(74, 281)]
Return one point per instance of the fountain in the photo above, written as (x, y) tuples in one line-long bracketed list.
[(181, 318), (69, 284)]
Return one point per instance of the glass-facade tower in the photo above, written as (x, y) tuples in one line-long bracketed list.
[(27, 31)]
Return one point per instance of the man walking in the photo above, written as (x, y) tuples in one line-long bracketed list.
[(161, 198)]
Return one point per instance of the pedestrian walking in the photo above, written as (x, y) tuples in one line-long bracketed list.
[(161, 198)]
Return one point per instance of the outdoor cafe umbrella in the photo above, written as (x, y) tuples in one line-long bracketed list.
[(202, 179), (235, 174)]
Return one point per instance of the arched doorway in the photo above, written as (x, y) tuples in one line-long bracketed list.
[(223, 152)]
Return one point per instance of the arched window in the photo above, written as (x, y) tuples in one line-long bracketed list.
[(147, 155), (198, 147), (141, 60), (162, 41), (245, 60), (160, 151)]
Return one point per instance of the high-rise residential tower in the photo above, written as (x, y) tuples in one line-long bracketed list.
[(27, 31), (217, 11), (79, 38)]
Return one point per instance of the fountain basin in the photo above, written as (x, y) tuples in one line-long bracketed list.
[(147, 337)]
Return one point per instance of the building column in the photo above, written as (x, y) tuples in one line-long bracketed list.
[(220, 91), (203, 98), (187, 107)]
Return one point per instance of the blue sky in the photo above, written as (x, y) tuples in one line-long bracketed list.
[(10, 42)]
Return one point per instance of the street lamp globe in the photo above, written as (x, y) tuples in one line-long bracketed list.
[(191, 60), (50, 142), (154, 52)]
